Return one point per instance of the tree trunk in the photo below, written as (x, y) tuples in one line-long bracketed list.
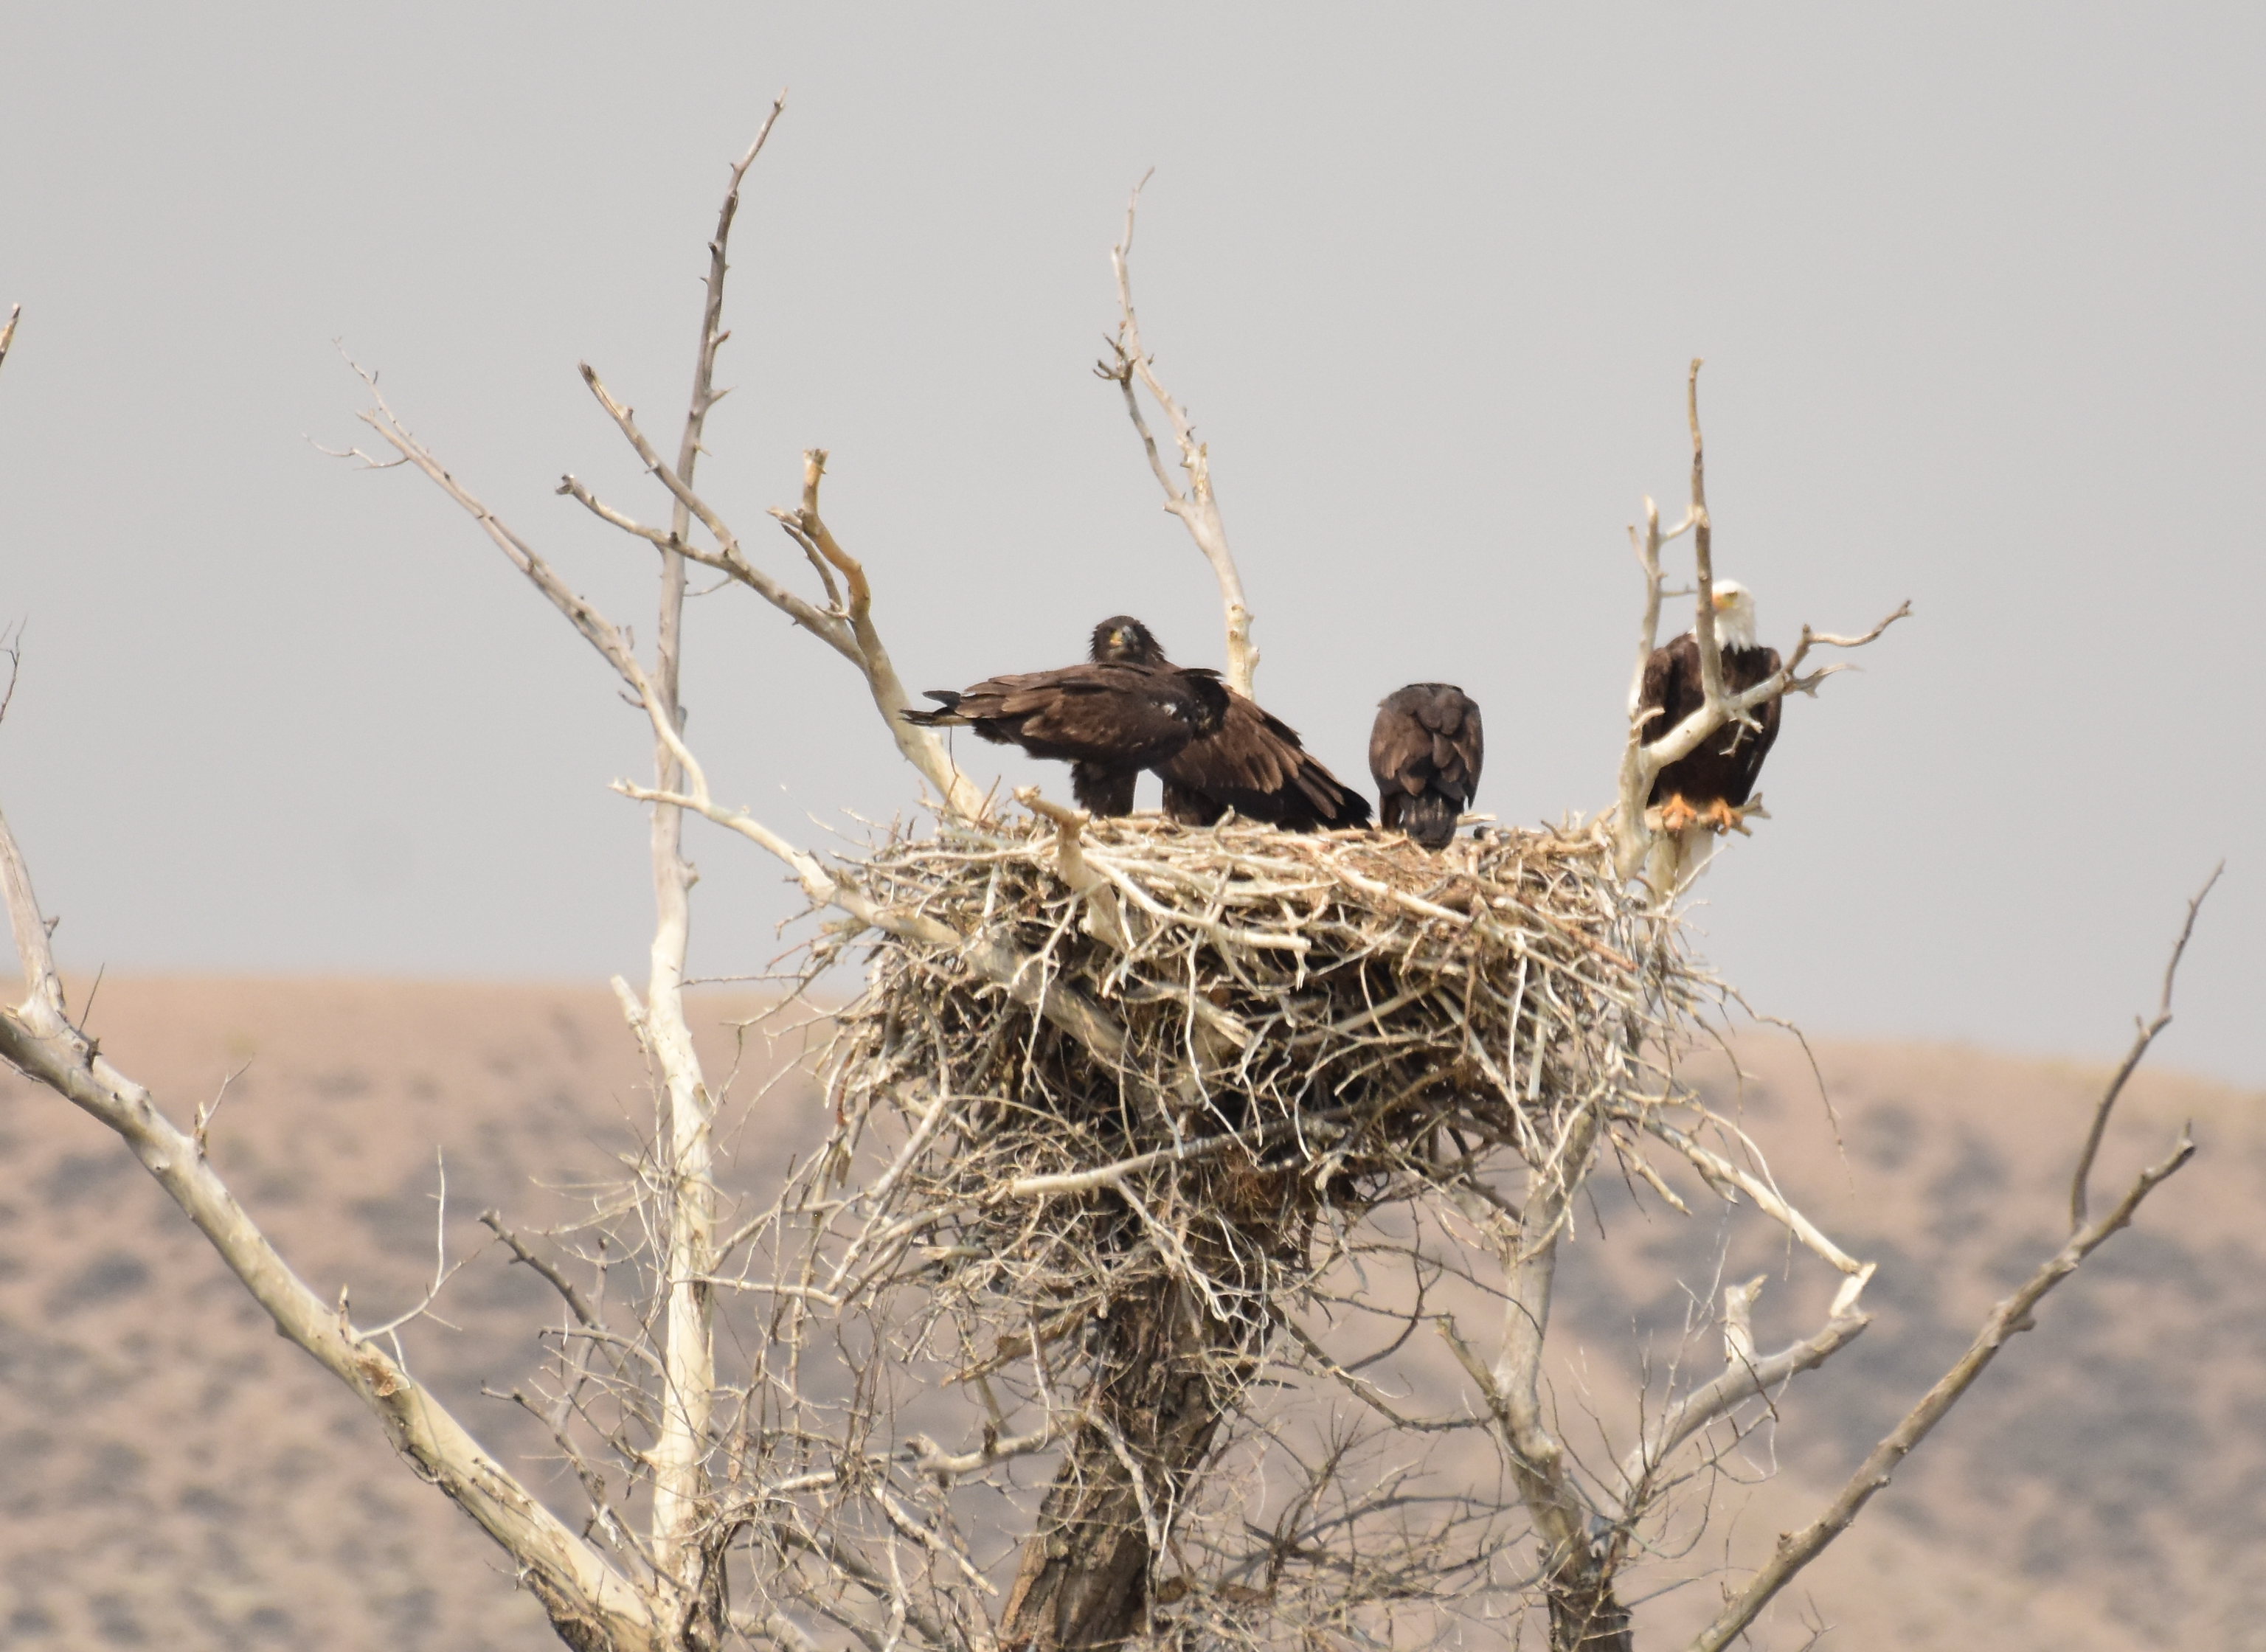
[(1584, 1614), (1159, 1380)]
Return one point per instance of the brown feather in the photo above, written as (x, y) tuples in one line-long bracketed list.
[(1425, 751), (1109, 720), (1724, 767), (1254, 763)]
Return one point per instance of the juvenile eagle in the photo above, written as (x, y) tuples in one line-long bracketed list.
[(1713, 783), (1253, 763), (1425, 751), (1108, 719)]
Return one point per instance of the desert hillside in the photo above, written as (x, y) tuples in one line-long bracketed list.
[(172, 1474)]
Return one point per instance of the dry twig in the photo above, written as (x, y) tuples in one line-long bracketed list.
[(1796, 1549), (2144, 1035), (1196, 506)]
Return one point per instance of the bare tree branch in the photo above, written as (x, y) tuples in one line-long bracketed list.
[(1537, 1463), (1721, 1173), (1196, 506), (685, 1562), (1744, 1377), (852, 632), (932, 1458), (2143, 1037), (1796, 1550), (922, 747), (1104, 916), (596, 630), (728, 557), (680, 1477), (863, 1572), (575, 1583), (207, 1112), (1025, 978), (548, 1272), (776, 1628), (1648, 557)]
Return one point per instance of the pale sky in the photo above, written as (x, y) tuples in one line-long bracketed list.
[(1978, 288)]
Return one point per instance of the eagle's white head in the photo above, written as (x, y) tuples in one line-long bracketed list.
[(1735, 614)]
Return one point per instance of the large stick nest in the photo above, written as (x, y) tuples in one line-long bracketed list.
[(1311, 1025), (1138, 1126)]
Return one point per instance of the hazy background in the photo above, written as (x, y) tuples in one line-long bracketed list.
[(1979, 291)]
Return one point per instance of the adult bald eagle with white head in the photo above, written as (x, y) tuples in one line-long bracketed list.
[(1710, 785)]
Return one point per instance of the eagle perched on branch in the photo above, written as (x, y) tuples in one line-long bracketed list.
[(1253, 763), (1424, 753), (1711, 785), (1108, 719)]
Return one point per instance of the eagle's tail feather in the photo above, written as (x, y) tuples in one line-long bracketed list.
[(942, 714), (1342, 806), (1429, 818)]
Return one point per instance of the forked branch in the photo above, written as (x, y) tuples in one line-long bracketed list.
[(921, 747), (726, 556), (1196, 505), (2011, 1317), (687, 1186), (1746, 1376), (2144, 1035), (847, 627), (1796, 1549)]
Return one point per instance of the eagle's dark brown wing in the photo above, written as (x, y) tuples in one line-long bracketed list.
[(1134, 714), (1256, 765), (1109, 720), (1671, 690), (1745, 749), (1724, 766), (1424, 752)]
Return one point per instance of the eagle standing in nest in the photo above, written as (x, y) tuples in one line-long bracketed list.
[(1711, 785), (1253, 763), (1424, 751), (1108, 719)]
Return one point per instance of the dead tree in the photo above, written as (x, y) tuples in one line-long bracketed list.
[(1156, 1161)]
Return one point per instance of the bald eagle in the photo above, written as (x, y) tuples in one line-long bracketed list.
[(1711, 785), (1108, 719), (1425, 751), (1254, 763)]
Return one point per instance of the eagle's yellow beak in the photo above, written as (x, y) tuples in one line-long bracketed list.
[(1116, 638)]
